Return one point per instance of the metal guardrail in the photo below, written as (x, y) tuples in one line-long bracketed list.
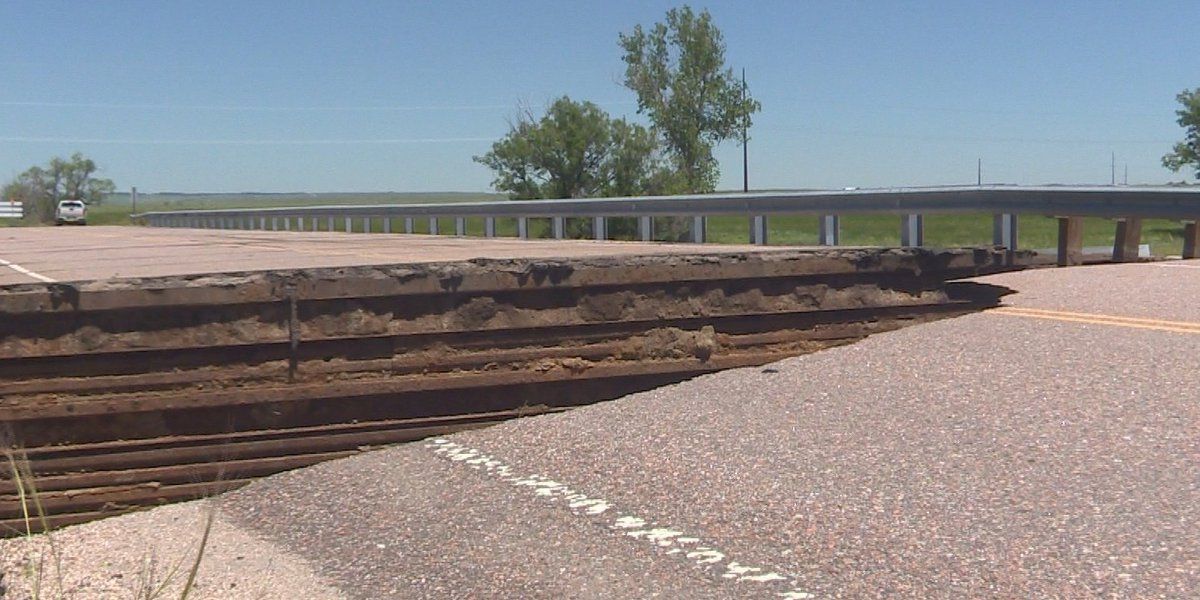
[(1129, 205), (12, 210)]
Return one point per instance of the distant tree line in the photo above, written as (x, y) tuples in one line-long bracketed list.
[(41, 188), (693, 101)]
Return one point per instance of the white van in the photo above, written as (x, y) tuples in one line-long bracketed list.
[(70, 211)]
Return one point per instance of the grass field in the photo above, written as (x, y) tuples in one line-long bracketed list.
[(1164, 237)]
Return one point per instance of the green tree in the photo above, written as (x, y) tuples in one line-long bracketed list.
[(1187, 152), (677, 69), (40, 188), (575, 151)]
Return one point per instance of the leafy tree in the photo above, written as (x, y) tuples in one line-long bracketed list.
[(1187, 152), (40, 188), (677, 69), (575, 151)]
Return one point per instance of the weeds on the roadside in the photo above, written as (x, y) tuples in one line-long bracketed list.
[(149, 585)]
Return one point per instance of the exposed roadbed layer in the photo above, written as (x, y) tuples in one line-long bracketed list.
[(489, 274), (991, 455)]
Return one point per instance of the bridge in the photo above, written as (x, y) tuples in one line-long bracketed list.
[(700, 420)]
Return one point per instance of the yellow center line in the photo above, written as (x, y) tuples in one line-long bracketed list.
[(1097, 319)]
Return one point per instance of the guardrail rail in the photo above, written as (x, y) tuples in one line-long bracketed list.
[(1128, 205)]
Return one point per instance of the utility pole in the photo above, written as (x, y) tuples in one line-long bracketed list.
[(745, 140), (1126, 173), (1114, 168), (979, 172), (133, 199)]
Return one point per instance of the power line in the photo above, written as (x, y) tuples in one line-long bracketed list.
[(249, 142)]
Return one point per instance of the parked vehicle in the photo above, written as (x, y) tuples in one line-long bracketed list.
[(70, 211)]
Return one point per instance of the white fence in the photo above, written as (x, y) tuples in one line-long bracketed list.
[(11, 210)]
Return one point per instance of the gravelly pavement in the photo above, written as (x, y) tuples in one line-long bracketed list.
[(1162, 290), (991, 455)]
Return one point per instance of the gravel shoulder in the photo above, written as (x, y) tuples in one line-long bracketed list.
[(121, 557)]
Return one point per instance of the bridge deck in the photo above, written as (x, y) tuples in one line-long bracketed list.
[(87, 253), (1043, 449)]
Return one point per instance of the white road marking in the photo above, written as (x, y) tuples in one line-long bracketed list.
[(703, 555), (24, 271), (1176, 266)]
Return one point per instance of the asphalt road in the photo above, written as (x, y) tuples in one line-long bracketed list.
[(48, 254), (1001, 454)]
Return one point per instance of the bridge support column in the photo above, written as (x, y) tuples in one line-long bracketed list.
[(645, 228), (349, 225), (1129, 237), (600, 228), (274, 223), (433, 225), (912, 230), (523, 227), (489, 227), (1191, 243), (1070, 241), (559, 225), (758, 230), (366, 224), (460, 226), (408, 224), (829, 230), (699, 230), (387, 224), (262, 223)]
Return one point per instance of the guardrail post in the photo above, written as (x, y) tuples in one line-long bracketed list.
[(433, 225), (387, 224), (645, 228), (559, 225), (699, 230), (1191, 243), (408, 224), (1070, 241), (1127, 240), (912, 230), (758, 230), (460, 226), (489, 227), (829, 230), (600, 228), (1004, 231), (523, 227)]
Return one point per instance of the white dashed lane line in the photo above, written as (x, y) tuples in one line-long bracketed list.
[(24, 271), (666, 539)]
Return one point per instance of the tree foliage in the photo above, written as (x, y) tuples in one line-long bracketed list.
[(575, 151), (40, 188), (677, 69), (1187, 152)]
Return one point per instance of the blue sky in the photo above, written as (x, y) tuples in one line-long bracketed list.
[(366, 96)]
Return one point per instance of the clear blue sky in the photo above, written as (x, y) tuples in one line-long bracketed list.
[(369, 96)]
